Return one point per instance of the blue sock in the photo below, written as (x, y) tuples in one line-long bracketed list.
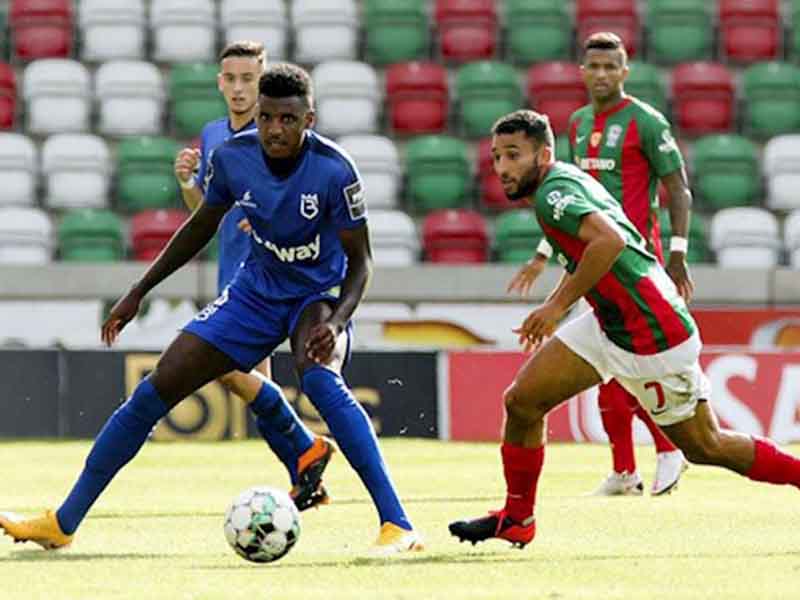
[(117, 443), (353, 431), (281, 427)]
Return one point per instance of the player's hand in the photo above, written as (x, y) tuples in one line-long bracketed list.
[(186, 162), (539, 325), (523, 281), (322, 341), (245, 226), (679, 273), (121, 314)]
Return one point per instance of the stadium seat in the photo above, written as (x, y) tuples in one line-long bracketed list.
[(538, 30), (145, 175), (183, 30), (782, 172), (749, 30), (562, 148), (793, 11), (619, 16), (791, 238), (58, 96), (698, 240), (77, 169), (556, 89), (726, 171), (745, 237), (467, 29), (325, 30), (644, 81), (703, 98), (438, 172), (394, 238), (493, 196), (455, 236), (150, 230), (18, 169), (88, 235), (516, 235), (679, 31), (264, 21), (131, 97), (417, 97), (486, 91), (8, 97), (26, 236), (396, 31), (195, 98), (112, 30), (379, 164), (772, 97), (348, 97), (41, 28), (4, 45)]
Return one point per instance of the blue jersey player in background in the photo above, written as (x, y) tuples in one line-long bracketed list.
[(241, 64), (307, 271)]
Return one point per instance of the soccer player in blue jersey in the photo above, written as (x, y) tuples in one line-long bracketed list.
[(241, 64), (308, 267)]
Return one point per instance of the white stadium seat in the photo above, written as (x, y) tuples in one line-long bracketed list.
[(131, 98), (791, 238), (348, 97), (112, 29), (745, 237), (18, 168), (394, 238), (782, 171), (379, 164), (183, 30), (26, 236), (58, 96), (324, 30), (77, 169), (263, 21)]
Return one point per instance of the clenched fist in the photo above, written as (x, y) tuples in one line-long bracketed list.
[(186, 162)]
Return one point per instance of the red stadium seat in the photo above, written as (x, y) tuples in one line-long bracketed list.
[(467, 29), (703, 95), (556, 89), (41, 28), (8, 96), (417, 96), (455, 236), (152, 229), (750, 30), (618, 16), (493, 197)]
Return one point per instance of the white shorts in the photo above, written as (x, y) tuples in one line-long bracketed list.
[(668, 384)]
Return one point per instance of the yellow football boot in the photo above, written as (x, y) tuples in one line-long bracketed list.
[(44, 530), (395, 540)]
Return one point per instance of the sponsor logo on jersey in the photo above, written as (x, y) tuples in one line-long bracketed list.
[(356, 202), (668, 143), (612, 136), (246, 200), (597, 164), (309, 205), (291, 254), (594, 140), (559, 203)]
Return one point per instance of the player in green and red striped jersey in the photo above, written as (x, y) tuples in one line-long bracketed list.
[(639, 332)]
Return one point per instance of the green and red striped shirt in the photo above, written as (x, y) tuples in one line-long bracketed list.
[(636, 303)]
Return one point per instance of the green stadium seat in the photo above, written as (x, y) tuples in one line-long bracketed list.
[(517, 233), (486, 90), (146, 178), (726, 171), (438, 172), (538, 30), (562, 148), (679, 31), (772, 97), (698, 239), (91, 235), (396, 31), (644, 81), (212, 250), (3, 34), (793, 41), (195, 98)]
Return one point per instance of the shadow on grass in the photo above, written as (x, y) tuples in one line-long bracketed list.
[(43, 556)]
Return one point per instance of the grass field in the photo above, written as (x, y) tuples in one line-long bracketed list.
[(157, 532)]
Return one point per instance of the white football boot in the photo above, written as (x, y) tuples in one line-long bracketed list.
[(669, 468), (620, 484)]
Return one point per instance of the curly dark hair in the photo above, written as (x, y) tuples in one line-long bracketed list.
[(536, 126), (285, 80)]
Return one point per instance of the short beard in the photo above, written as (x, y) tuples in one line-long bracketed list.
[(527, 185)]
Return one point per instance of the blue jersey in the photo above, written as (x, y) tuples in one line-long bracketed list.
[(233, 243), (296, 217)]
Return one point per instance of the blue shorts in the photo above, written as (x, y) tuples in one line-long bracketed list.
[(248, 326)]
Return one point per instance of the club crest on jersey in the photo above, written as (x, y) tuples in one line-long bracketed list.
[(309, 205), (595, 138), (612, 136)]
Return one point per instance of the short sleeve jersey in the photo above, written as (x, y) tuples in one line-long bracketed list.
[(296, 217), (636, 303)]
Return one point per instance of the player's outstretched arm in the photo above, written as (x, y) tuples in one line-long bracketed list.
[(524, 279), (192, 237), (680, 202)]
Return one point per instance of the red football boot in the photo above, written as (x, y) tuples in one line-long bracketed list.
[(497, 524)]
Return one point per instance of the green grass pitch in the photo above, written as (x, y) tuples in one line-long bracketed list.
[(157, 532)]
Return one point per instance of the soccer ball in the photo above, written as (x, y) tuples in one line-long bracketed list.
[(262, 524)]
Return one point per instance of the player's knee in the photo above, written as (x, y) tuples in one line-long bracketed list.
[(518, 406)]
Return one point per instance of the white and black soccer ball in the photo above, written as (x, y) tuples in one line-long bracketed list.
[(262, 524)]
